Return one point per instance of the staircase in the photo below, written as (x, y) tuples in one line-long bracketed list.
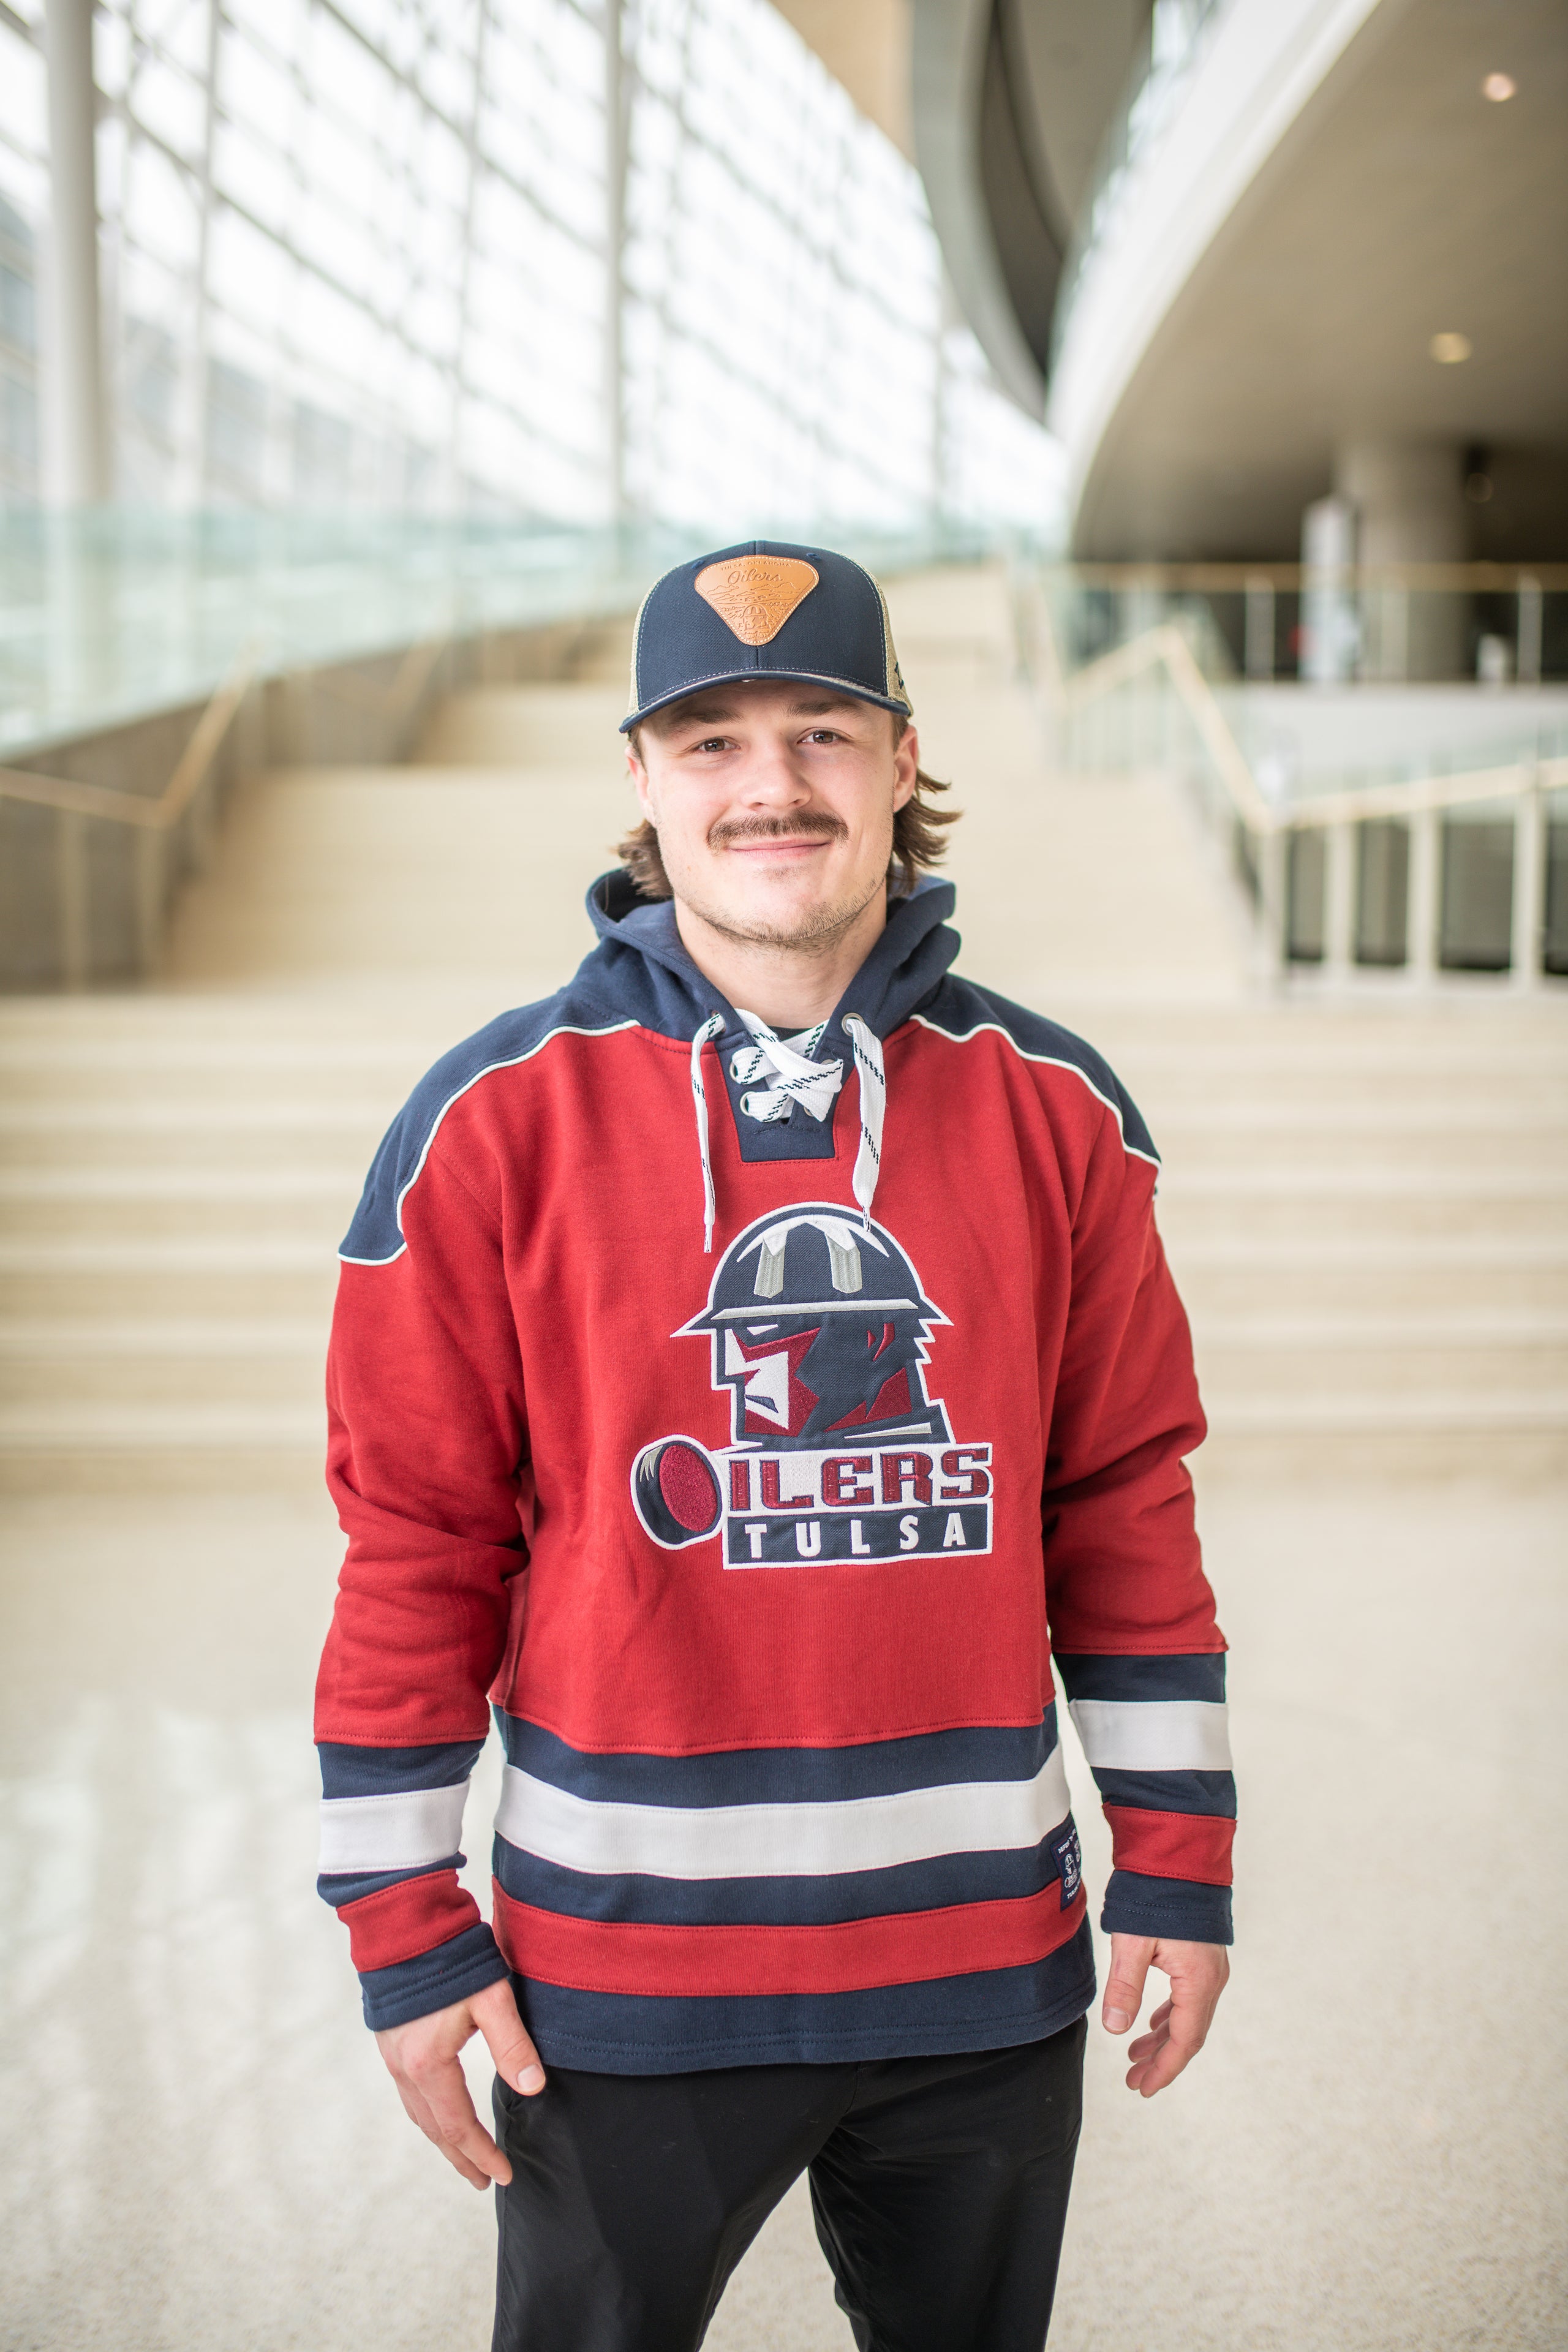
[(1365, 1202), (1367, 1213)]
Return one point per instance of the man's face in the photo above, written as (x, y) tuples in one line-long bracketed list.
[(774, 805)]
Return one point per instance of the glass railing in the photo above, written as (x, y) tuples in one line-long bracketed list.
[(1415, 824), (1437, 669), (111, 614)]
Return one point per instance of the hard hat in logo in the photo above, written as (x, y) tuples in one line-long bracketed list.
[(816, 1260)]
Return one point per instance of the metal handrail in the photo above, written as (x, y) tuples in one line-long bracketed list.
[(1167, 646), (162, 849), (395, 701), (400, 697), (1331, 817), (1493, 579), (190, 770), (1413, 798)]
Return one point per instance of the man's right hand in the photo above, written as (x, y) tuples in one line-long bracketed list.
[(422, 2059)]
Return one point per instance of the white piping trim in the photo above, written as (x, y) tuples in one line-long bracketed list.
[(512, 1063), (1046, 1061)]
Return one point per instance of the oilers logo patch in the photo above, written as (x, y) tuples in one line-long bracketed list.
[(818, 1330)]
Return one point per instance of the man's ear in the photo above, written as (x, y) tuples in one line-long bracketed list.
[(639, 776), (906, 767)]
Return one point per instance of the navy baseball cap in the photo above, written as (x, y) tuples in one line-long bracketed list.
[(764, 610)]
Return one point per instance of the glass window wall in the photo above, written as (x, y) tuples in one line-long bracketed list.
[(558, 260)]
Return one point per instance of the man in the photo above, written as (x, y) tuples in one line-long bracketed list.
[(748, 1365)]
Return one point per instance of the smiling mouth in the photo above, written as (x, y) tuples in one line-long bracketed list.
[(766, 838), (785, 844)]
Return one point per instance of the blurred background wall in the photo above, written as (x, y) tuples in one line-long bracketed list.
[(524, 259), (329, 331)]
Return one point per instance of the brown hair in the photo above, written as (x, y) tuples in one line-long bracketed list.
[(917, 842)]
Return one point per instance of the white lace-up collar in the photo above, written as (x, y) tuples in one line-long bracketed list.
[(792, 1076)]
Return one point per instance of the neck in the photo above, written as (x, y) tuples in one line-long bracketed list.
[(789, 987)]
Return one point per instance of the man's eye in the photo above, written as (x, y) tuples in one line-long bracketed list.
[(826, 735), (713, 743)]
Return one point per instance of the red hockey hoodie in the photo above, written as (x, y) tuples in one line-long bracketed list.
[(759, 1546)]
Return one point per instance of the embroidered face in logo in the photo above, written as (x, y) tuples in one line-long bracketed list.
[(818, 1330)]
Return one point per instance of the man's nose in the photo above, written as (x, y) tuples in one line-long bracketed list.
[(773, 778)]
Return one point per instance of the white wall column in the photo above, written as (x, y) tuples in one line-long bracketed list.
[(1424, 902), (1258, 628), (1527, 658), (1270, 853), (1408, 499), (617, 158), (1339, 900), (75, 439), (1529, 888), (1329, 624)]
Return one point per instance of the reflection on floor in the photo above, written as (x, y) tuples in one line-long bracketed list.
[(204, 2157), (1366, 1209)]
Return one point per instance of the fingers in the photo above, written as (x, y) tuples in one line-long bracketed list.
[(457, 2133), (418, 2111), (1159, 2062), (516, 2058), (1179, 2027), (1130, 1958), (1147, 2043), (422, 2059)]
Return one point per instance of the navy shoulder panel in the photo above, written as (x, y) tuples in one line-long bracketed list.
[(375, 1236), (960, 1009)]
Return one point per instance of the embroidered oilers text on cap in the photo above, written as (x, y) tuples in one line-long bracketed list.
[(763, 610)]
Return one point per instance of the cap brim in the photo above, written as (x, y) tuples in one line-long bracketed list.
[(843, 685)]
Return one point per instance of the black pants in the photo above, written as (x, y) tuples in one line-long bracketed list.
[(940, 2187)]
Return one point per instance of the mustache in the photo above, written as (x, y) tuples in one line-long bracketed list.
[(809, 824)]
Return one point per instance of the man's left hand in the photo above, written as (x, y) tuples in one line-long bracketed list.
[(1180, 2026)]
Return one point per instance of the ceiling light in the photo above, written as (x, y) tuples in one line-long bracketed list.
[(1498, 86), (1449, 350)]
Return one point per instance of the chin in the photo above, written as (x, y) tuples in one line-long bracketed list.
[(786, 916)]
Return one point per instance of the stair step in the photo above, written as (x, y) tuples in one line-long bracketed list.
[(1326, 1284), (1269, 1362), (1373, 1407), (1438, 1435), (327, 1137), (64, 1427), (1235, 1153), (1340, 1210), (251, 1361), (132, 1204), (165, 1278)]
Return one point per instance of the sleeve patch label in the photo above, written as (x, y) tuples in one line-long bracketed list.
[(1068, 1856)]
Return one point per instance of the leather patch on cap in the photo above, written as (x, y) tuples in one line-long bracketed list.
[(754, 595)]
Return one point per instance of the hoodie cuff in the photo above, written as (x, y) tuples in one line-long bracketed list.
[(452, 1971), (1180, 1908)]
